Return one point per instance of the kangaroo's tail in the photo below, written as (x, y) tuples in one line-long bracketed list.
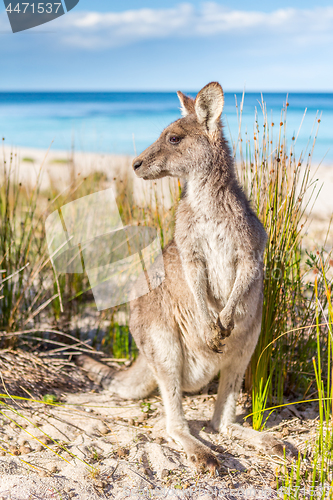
[(136, 382)]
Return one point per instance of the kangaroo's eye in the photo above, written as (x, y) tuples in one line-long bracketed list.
[(174, 139)]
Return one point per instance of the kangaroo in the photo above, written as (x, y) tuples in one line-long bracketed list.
[(205, 317)]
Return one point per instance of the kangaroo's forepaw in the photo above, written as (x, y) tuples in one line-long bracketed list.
[(215, 343), (225, 323), (218, 333), (204, 461)]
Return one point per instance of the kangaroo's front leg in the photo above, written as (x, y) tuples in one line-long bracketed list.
[(197, 279), (248, 271)]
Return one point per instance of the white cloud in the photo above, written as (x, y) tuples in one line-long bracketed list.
[(123, 28), (111, 29)]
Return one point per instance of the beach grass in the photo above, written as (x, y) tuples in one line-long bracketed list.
[(293, 357), (281, 189)]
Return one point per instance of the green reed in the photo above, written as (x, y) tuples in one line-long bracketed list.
[(280, 187)]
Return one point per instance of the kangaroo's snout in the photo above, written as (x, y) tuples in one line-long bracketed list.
[(137, 164)]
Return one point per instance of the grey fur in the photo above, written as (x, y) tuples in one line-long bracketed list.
[(205, 318)]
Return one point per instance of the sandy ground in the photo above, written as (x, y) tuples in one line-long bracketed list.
[(94, 446)]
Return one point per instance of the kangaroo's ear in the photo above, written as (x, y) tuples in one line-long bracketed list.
[(209, 105), (186, 104)]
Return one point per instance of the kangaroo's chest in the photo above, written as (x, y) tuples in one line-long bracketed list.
[(218, 253), (201, 236)]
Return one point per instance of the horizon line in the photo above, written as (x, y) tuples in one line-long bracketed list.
[(159, 91)]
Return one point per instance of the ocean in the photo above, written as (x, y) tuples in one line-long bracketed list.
[(127, 122)]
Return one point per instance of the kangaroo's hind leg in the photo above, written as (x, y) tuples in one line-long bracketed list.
[(177, 426), (166, 356), (224, 418), (136, 382)]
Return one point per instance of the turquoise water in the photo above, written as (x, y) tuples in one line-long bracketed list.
[(108, 122)]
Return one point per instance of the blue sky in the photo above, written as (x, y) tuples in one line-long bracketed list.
[(156, 45)]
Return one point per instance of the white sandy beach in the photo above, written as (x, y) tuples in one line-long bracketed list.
[(59, 169), (60, 166), (105, 447)]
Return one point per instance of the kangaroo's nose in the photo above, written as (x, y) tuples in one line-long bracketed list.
[(137, 164)]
